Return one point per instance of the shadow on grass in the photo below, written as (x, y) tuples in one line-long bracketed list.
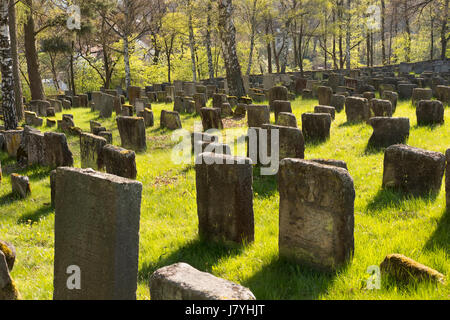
[(430, 127), (286, 280), (200, 254), (441, 236), (371, 150), (35, 216), (264, 186), (311, 143), (350, 124), (9, 198), (392, 198)]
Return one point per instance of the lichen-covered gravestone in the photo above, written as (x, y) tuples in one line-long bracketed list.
[(357, 109), (211, 118), (316, 126), (225, 197), (412, 170), (96, 235), (120, 162), (281, 106), (132, 133), (170, 120), (56, 150), (316, 214), (257, 115), (91, 151)]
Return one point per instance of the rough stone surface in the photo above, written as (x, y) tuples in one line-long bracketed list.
[(338, 102), (405, 90), (388, 131), (211, 118), (381, 108), (257, 115), (20, 185), (120, 162), (291, 143), (316, 214), (430, 112), (12, 141), (405, 270), (412, 170), (324, 95), (35, 148), (56, 150), (132, 133), (287, 120), (9, 252), (91, 151), (170, 120), (230, 217), (97, 229), (332, 163), (326, 109), (180, 281), (392, 97), (8, 289), (357, 109), (277, 93), (316, 126), (419, 94), (281, 106), (226, 110)]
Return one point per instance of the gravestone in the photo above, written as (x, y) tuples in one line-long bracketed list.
[(12, 141), (380, 108), (447, 179), (443, 94), (211, 118), (357, 109), (316, 126), (133, 94), (170, 120), (132, 133), (430, 112), (35, 148), (56, 150), (107, 136), (324, 95), (200, 101), (227, 218), (20, 185), (420, 94), (106, 106), (291, 142), (326, 109), (96, 232), (388, 131), (257, 115), (412, 170), (91, 151), (338, 102), (277, 93), (281, 106), (120, 162), (316, 214), (287, 120), (39, 107), (226, 110), (180, 281), (405, 90), (392, 97), (332, 163)]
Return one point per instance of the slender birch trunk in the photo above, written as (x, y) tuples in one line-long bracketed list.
[(15, 56)]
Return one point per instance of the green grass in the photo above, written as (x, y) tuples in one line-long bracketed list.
[(385, 222)]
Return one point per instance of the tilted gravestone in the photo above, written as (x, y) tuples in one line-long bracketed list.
[(430, 112), (170, 120), (120, 162), (412, 170), (96, 235), (132, 133), (388, 131), (180, 281), (228, 218), (316, 214), (91, 151)]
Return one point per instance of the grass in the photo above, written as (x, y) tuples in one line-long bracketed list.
[(385, 222)]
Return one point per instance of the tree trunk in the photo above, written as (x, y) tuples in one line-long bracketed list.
[(252, 38), (126, 58), (37, 90), (72, 72), (228, 37), (383, 43), (269, 52), (192, 48), (18, 95), (408, 32), (347, 38), (208, 43), (444, 31), (8, 98)]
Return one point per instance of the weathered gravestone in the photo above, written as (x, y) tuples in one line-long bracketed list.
[(287, 120), (12, 141), (149, 119), (39, 107), (332, 163), (338, 102), (133, 94), (392, 97), (443, 94), (281, 106), (56, 150), (120, 162), (388, 131), (316, 126), (211, 118), (170, 120), (20, 185), (326, 109), (324, 94), (226, 110), (96, 234), (35, 147), (106, 106), (8, 289), (405, 90), (257, 115), (412, 170), (357, 109), (420, 94), (381, 108), (290, 142), (180, 281), (132, 133), (316, 214), (228, 218), (91, 151), (430, 112), (277, 93)]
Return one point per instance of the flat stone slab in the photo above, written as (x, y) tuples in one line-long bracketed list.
[(180, 281)]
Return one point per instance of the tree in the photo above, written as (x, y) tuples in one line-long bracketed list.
[(6, 64), (227, 33), (15, 57)]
